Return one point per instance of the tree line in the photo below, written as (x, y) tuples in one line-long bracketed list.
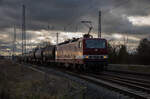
[(120, 55)]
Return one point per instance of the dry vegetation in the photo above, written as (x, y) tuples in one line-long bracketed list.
[(128, 67), (18, 82)]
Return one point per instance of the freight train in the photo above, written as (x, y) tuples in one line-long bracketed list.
[(84, 54)]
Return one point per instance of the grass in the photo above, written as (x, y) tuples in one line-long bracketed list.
[(17, 82)]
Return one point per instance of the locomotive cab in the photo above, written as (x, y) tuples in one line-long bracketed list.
[(95, 52)]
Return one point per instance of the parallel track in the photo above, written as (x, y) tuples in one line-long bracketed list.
[(129, 72), (137, 89), (143, 82)]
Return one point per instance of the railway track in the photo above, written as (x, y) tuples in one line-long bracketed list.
[(134, 80), (140, 90), (129, 72), (131, 88), (135, 88)]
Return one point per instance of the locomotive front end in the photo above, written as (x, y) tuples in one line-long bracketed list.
[(95, 53)]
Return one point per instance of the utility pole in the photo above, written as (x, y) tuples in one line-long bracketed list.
[(99, 25), (23, 30), (126, 40), (57, 35), (48, 33), (14, 42), (11, 44)]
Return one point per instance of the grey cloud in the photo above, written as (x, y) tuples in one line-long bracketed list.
[(61, 13), (69, 13)]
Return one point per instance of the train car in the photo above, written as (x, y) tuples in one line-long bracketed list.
[(83, 53), (49, 54), (31, 57), (39, 55), (24, 57)]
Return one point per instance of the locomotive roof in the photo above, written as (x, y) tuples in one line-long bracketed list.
[(76, 39), (69, 41), (95, 38)]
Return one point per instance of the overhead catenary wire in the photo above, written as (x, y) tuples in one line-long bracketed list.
[(102, 11)]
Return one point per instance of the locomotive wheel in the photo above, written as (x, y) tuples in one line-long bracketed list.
[(80, 67), (87, 68), (105, 67), (83, 67), (102, 67), (77, 67), (73, 66)]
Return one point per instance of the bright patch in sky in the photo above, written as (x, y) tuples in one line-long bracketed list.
[(41, 38), (38, 32), (117, 36), (140, 20), (71, 34)]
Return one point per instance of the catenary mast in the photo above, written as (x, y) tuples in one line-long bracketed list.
[(99, 25), (23, 30)]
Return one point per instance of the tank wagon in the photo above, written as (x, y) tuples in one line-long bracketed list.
[(81, 53)]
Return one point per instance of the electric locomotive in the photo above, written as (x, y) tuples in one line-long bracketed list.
[(86, 53)]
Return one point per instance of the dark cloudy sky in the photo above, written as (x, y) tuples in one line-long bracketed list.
[(119, 17)]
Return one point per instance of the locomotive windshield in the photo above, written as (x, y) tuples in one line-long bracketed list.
[(95, 44)]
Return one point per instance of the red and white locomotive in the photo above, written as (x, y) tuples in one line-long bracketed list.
[(84, 53)]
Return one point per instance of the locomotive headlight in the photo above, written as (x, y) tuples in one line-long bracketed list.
[(86, 56), (105, 56)]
